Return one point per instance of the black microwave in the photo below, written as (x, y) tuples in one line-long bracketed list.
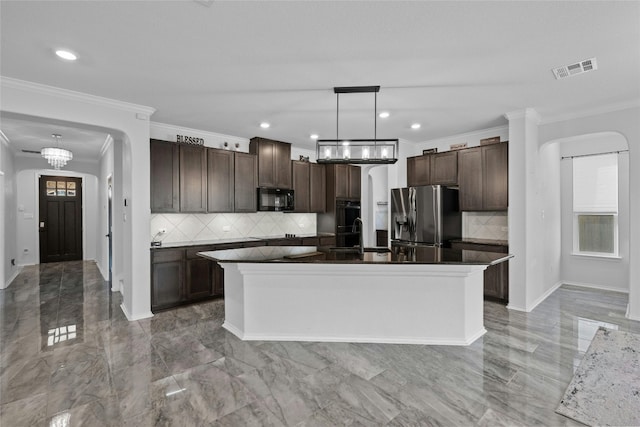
[(275, 199)]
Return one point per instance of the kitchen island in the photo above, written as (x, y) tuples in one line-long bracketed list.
[(410, 295)]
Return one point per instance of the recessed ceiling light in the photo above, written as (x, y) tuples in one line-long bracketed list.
[(313, 136), (345, 143), (65, 54), (383, 115), (415, 126), (264, 125)]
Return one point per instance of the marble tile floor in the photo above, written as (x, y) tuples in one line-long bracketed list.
[(69, 357)]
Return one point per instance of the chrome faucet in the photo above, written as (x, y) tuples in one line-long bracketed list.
[(354, 228)]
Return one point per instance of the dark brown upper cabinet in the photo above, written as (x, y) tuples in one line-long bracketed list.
[(418, 171), (483, 176), (220, 180), (309, 186), (165, 179), (343, 182), (193, 178), (301, 188), (246, 182), (317, 188), (433, 169), (470, 179), (274, 162), (495, 176), (444, 168)]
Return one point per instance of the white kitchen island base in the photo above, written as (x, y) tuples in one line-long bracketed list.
[(371, 303)]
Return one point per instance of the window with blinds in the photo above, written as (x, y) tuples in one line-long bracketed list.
[(595, 205)]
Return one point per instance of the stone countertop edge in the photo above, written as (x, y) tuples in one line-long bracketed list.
[(283, 259)]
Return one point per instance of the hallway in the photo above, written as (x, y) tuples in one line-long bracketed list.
[(70, 357)]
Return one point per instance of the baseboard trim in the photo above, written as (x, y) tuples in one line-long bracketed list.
[(541, 298), (131, 318), (12, 277), (594, 286), (629, 316), (545, 295), (354, 339), (101, 270)]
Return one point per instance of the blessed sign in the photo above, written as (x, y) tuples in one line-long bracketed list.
[(182, 139)]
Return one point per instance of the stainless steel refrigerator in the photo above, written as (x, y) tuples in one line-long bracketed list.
[(425, 215)]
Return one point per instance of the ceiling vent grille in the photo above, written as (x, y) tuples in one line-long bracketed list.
[(31, 151), (575, 69)]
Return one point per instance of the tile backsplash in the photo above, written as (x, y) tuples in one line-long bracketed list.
[(196, 227), (485, 225)]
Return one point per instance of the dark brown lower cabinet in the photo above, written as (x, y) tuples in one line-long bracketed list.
[(179, 276), (167, 278), (199, 275), (496, 277)]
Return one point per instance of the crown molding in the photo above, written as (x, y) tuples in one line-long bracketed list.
[(609, 108), (529, 113), (467, 134), (8, 82), (182, 129), (4, 139), (105, 146)]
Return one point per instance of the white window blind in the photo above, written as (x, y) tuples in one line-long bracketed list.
[(595, 183), (595, 205)]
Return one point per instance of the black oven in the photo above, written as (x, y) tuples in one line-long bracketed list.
[(346, 213), (275, 199)]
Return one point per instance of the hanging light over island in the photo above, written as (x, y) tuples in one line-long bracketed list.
[(357, 151)]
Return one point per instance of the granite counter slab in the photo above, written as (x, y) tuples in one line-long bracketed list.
[(398, 255)]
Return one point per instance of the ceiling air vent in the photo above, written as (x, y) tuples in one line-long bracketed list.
[(31, 151), (575, 69)]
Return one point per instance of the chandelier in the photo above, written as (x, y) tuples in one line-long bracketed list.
[(370, 151), (56, 156)]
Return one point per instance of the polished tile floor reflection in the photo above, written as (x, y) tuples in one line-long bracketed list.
[(70, 358)]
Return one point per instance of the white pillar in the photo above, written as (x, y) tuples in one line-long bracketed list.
[(525, 216)]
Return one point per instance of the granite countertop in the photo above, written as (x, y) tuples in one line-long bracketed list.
[(236, 240), (482, 241), (398, 255)]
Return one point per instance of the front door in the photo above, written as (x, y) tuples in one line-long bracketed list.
[(60, 222)]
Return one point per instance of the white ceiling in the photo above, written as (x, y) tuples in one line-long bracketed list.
[(226, 66)]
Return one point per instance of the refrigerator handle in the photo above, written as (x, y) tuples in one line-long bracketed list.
[(412, 214), (436, 216)]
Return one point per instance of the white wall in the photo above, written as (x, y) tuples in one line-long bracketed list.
[(102, 244), (8, 248), (27, 207), (551, 197), (605, 273), (624, 121)]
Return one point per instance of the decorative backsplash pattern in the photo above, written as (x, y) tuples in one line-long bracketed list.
[(197, 227), (485, 225)]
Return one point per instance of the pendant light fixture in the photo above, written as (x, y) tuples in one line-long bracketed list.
[(56, 156), (357, 151)]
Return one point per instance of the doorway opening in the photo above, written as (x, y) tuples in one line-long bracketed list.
[(110, 226)]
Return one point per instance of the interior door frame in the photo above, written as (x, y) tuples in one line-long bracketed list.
[(110, 228)]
